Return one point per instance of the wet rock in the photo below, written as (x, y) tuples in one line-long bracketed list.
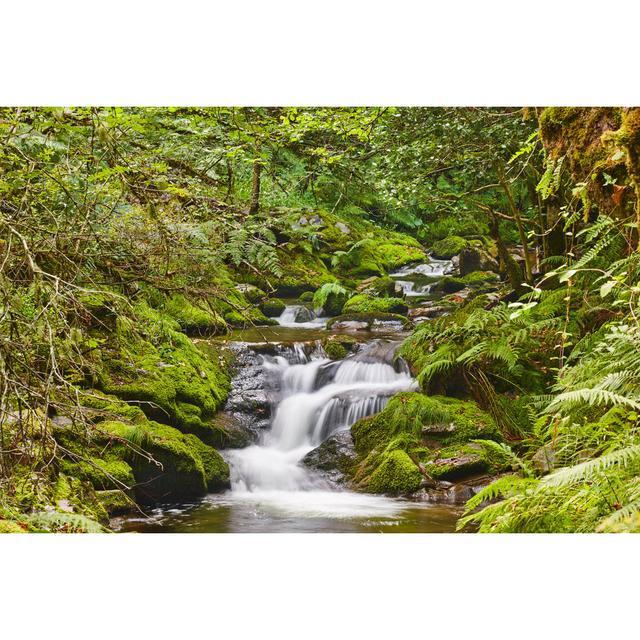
[(452, 493), (350, 325), (335, 457), (449, 285), (248, 406), (302, 314), (476, 259), (428, 311)]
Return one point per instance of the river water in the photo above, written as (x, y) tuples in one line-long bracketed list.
[(314, 398)]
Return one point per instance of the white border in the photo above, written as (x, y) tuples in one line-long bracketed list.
[(335, 52)]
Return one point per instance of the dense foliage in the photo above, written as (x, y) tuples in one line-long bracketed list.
[(123, 230)]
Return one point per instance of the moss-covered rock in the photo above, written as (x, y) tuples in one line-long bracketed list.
[(337, 347), (447, 248), (273, 307), (181, 465), (449, 284), (363, 303), (380, 286), (115, 501), (252, 293), (460, 461), (194, 319), (442, 420), (480, 278), (306, 297), (394, 474), (166, 374)]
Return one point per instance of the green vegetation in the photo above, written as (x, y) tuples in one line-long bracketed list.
[(129, 234)]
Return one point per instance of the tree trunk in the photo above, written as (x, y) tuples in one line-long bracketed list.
[(511, 267), (255, 187), (521, 232)]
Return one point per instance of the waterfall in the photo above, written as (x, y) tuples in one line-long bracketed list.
[(317, 397), (299, 316)]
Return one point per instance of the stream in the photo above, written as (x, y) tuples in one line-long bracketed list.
[(306, 398)]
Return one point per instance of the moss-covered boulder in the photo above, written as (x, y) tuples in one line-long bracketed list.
[(337, 347), (395, 474), (460, 461), (363, 303), (449, 284), (252, 293), (480, 278), (273, 307), (115, 501), (178, 464), (194, 319), (162, 371), (416, 437), (476, 259), (447, 248), (306, 297), (377, 257), (385, 287), (124, 450)]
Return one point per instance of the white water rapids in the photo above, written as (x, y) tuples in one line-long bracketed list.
[(318, 398)]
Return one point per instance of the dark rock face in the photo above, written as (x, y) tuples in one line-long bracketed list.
[(335, 456), (248, 407), (475, 259)]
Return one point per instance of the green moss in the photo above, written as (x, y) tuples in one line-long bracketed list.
[(394, 474), (252, 293), (115, 501), (11, 526), (377, 256), (305, 297), (273, 308), (460, 461), (335, 350), (363, 303), (447, 248), (194, 319), (302, 271), (103, 473), (476, 278), (166, 374), (187, 465)]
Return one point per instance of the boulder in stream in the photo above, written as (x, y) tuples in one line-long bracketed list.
[(334, 457)]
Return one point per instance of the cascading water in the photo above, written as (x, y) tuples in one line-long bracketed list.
[(317, 398), (299, 316)]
